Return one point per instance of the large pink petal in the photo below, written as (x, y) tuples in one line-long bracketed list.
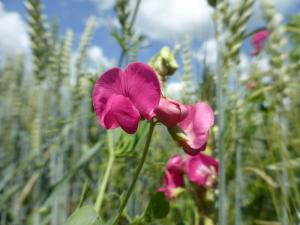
[(203, 117), (125, 113), (141, 85), (108, 84)]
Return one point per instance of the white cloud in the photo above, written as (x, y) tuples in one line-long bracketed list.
[(96, 57), (103, 5), (14, 38), (173, 19), (208, 52), (174, 90), (169, 19)]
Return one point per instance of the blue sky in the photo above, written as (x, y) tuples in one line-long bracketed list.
[(165, 22), (73, 14)]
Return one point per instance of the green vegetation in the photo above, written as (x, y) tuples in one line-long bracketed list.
[(56, 159)]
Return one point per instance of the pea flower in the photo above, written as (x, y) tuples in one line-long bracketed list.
[(173, 178), (202, 170), (192, 132), (122, 98), (258, 40), (170, 112)]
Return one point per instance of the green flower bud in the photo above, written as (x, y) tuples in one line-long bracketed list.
[(164, 63)]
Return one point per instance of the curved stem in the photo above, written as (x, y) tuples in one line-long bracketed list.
[(103, 186), (137, 173)]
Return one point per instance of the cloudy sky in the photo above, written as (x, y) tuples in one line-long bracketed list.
[(165, 22)]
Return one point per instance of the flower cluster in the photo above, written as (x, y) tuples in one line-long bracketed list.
[(201, 170), (123, 98)]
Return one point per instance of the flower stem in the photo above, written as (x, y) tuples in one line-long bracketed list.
[(103, 186), (222, 70), (137, 173)]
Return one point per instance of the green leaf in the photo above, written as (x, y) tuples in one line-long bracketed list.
[(118, 39), (85, 215), (158, 207), (212, 3)]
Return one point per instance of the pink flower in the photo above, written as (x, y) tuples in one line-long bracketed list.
[(192, 133), (172, 181), (122, 98), (170, 112), (173, 178), (258, 40), (202, 170)]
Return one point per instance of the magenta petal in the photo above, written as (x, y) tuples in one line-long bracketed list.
[(107, 118), (109, 121), (172, 180), (142, 87), (125, 113), (203, 118), (196, 127), (258, 40), (176, 164), (108, 84)]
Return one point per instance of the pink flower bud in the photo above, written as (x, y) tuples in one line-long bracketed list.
[(258, 40), (170, 112)]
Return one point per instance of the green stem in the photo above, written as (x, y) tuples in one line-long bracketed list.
[(137, 173), (125, 50), (103, 186), (136, 9), (83, 193), (220, 141)]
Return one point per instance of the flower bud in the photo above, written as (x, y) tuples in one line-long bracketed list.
[(164, 63), (170, 112)]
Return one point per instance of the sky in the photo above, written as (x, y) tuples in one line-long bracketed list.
[(164, 22)]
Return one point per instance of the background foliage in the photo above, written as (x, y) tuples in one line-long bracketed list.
[(54, 155)]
